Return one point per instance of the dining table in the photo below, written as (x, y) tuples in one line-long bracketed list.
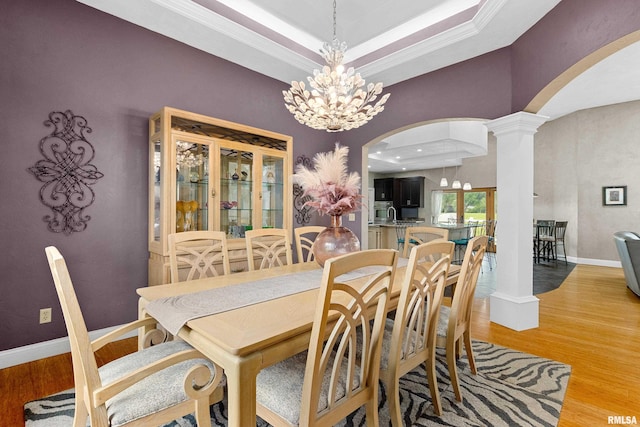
[(253, 323)]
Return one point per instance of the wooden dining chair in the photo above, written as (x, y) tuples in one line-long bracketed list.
[(198, 254), (304, 238), (409, 338), (336, 376), (153, 386), (454, 322), (418, 235), (268, 248)]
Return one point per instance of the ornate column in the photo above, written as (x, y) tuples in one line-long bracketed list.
[(513, 304)]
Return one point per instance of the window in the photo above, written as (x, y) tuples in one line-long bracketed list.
[(462, 206)]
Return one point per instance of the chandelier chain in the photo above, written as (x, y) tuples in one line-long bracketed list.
[(335, 19)]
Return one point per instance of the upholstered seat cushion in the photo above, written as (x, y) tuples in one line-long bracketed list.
[(156, 392), (443, 321), (386, 345), (279, 387)]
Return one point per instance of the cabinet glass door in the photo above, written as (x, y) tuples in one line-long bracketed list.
[(236, 191), (272, 192), (192, 185), (156, 150)]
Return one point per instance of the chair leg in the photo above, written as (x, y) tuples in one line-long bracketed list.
[(372, 409), (433, 386), (393, 397), (81, 414), (453, 372), (203, 419), (469, 349), (564, 252)]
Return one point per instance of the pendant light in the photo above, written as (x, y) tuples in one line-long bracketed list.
[(456, 183), (443, 181)]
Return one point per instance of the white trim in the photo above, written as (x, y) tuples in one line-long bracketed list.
[(517, 313), (598, 262), (40, 350)]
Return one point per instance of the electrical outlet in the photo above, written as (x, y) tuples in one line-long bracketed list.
[(45, 315), (352, 217)]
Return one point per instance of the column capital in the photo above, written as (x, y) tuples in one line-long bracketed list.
[(520, 122)]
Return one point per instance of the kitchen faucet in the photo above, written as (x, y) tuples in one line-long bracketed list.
[(391, 208)]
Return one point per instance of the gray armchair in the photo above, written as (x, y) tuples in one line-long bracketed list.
[(628, 244)]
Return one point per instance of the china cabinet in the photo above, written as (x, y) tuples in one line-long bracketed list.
[(211, 174)]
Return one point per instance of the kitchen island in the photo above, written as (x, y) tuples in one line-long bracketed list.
[(384, 235)]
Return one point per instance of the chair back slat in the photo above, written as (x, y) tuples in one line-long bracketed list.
[(268, 248), (418, 235), (198, 254), (304, 238)]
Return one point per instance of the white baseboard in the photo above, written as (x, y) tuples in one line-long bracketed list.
[(29, 353), (598, 262)]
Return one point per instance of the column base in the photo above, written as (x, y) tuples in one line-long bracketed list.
[(517, 313)]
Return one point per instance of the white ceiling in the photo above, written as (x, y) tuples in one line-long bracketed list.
[(389, 41)]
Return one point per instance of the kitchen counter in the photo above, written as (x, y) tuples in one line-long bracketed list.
[(396, 224), (383, 235)]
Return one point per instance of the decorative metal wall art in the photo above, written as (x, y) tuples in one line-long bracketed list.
[(302, 215), (66, 172)]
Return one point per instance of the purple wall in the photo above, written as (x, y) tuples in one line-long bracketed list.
[(571, 31), (60, 54)]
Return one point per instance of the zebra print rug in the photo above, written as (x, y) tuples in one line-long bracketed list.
[(510, 389)]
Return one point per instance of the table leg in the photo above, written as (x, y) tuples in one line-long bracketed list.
[(142, 332), (241, 390)]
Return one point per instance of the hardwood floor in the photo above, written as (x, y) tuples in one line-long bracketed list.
[(29, 381), (592, 322)]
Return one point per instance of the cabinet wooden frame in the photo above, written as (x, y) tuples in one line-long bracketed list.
[(170, 125)]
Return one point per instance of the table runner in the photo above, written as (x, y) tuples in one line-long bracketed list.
[(174, 312)]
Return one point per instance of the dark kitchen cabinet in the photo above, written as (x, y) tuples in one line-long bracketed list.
[(383, 189), (411, 191)]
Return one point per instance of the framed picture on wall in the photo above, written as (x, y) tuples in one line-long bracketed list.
[(614, 196)]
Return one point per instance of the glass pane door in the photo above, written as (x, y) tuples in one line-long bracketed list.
[(236, 191), (157, 168), (475, 206), (448, 210), (272, 192), (192, 185)]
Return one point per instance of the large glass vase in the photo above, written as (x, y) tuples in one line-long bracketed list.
[(334, 241)]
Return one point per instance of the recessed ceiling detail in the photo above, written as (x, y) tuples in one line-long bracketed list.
[(389, 41), (430, 146)]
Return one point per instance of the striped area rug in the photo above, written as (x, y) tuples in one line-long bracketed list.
[(511, 389)]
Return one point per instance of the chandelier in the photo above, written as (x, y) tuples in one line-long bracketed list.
[(338, 100)]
